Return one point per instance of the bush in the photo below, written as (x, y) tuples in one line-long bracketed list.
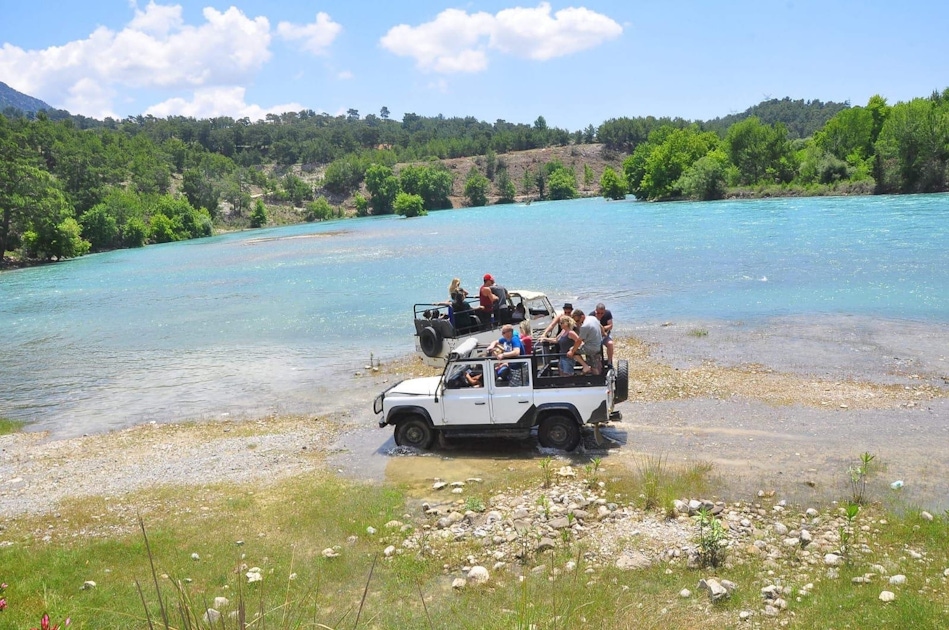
[(409, 205), (319, 210)]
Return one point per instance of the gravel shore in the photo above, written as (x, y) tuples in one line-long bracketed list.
[(773, 409)]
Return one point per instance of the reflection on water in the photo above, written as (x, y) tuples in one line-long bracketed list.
[(269, 320)]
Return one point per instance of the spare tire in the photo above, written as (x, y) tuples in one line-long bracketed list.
[(430, 340), (621, 390)]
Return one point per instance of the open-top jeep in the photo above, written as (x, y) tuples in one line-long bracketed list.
[(510, 398), (439, 330)]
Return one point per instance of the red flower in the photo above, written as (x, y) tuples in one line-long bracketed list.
[(3, 603), (44, 623)]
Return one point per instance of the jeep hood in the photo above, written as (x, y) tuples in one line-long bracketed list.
[(416, 387)]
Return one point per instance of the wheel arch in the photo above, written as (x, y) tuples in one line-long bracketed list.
[(398, 413)]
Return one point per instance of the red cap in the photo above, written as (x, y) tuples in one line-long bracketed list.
[(488, 277)]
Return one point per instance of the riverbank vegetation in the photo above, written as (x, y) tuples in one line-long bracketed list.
[(70, 185), (314, 551)]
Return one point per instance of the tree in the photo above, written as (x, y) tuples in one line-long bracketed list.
[(297, 190), (258, 216), (761, 152), (476, 188), (362, 205), (409, 205), (432, 183), (913, 147), (319, 210), (612, 185), (504, 186), (384, 113), (383, 186), (588, 175), (562, 184), (706, 178)]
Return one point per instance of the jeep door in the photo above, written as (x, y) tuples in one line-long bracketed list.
[(463, 403), (513, 392)]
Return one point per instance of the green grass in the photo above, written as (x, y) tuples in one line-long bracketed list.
[(283, 528), (698, 332), (8, 426)]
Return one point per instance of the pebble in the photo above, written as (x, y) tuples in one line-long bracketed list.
[(897, 579), (926, 516), (458, 583), (685, 593), (478, 575), (887, 596), (831, 559)]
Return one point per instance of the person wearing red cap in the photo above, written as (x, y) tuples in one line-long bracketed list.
[(486, 299)]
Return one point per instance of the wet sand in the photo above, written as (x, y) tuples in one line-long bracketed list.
[(785, 405)]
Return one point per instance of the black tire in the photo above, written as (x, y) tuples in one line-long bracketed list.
[(559, 431), (621, 390), (414, 431), (430, 341)]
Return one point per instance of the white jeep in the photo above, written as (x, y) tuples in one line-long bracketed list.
[(514, 396)]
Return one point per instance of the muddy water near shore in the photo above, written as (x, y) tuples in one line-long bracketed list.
[(785, 406)]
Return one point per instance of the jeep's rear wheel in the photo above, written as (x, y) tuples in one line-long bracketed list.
[(559, 431), (621, 392), (413, 431)]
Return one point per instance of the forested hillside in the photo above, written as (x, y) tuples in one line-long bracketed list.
[(69, 184)]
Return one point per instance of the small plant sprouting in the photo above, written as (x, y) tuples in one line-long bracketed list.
[(858, 478), (698, 332), (596, 462), (848, 533), (545, 467), (711, 539), (544, 503), (474, 504)]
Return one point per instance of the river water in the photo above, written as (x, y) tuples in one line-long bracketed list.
[(277, 320)]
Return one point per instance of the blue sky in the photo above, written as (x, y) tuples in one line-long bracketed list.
[(576, 62)]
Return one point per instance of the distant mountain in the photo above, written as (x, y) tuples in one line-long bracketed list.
[(802, 118), (18, 100)]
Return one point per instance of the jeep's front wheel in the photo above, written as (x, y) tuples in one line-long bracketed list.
[(559, 431), (413, 431)]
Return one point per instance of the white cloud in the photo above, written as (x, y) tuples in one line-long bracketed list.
[(156, 49), (535, 34), (458, 42), (214, 102), (344, 75), (317, 37)]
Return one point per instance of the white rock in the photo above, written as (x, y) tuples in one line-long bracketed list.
[(438, 485), (745, 614), (88, 585), (806, 538), (329, 552), (478, 575), (915, 554), (195, 556), (458, 583), (831, 559), (457, 490), (792, 542), (926, 516), (780, 529), (393, 525), (946, 573), (457, 484), (389, 551), (371, 530), (897, 579), (812, 513), (714, 588), (685, 593), (887, 596), (212, 616), (221, 602)]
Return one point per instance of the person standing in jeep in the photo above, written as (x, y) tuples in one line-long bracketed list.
[(591, 332), (486, 300)]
